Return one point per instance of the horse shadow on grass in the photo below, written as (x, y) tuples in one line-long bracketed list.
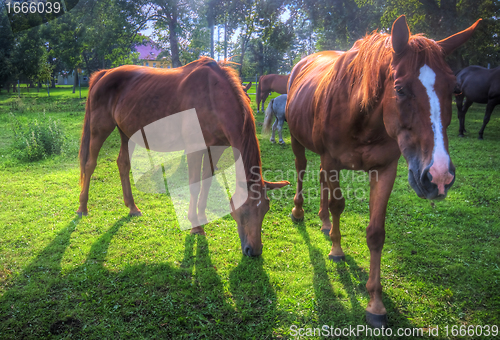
[(330, 309), (187, 300)]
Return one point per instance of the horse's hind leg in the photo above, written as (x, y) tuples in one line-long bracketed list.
[(275, 126), (194, 168), (209, 163), (489, 110), (280, 129), (300, 167), (264, 98), (97, 138), (123, 162)]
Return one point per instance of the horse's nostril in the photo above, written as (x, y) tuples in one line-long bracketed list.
[(426, 177), (248, 251), (429, 176)]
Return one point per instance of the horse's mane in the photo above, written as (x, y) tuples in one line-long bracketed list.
[(95, 77), (250, 145), (371, 64)]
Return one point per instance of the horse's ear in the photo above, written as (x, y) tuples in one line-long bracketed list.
[(247, 87), (400, 34), (275, 185), (451, 43)]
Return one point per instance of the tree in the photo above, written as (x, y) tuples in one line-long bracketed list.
[(440, 19), (6, 50)]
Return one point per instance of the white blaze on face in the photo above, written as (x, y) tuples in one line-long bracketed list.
[(440, 158)]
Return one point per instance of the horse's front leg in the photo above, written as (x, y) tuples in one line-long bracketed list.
[(194, 160), (461, 117), (300, 166), (381, 183), (210, 160)]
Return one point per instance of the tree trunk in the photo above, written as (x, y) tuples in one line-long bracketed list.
[(225, 39), (212, 54), (75, 80), (243, 50), (174, 45)]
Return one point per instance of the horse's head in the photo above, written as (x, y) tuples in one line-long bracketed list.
[(250, 215), (419, 106), (246, 88)]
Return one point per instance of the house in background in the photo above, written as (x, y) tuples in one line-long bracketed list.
[(68, 78), (149, 55)]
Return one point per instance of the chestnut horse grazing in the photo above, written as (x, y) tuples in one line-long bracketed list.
[(478, 85), (269, 83), (359, 110), (132, 97)]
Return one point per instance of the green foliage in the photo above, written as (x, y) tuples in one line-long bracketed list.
[(440, 19), (38, 139), (6, 46)]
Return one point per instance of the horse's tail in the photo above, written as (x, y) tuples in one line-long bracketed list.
[(268, 119), (85, 140), (258, 94)]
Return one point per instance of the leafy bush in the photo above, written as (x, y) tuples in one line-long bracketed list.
[(39, 139)]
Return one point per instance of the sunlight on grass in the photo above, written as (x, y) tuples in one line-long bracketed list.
[(142, 277)]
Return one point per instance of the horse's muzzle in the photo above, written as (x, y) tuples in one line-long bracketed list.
[(422, 183), (248, 250)]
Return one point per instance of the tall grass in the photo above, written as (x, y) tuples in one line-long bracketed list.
[(38, 139)]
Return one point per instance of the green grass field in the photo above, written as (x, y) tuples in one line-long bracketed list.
[(109, 276)]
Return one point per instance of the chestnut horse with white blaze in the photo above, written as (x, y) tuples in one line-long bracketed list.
[(132, 97), (359, 110), (268, 84)]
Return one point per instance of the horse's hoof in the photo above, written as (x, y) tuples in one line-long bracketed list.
[(326, 232), (81, 213), (337, 258), (272, 141), (282, 142), (296, 220), (480, 137), (135, 213), (376, 320), (198, 231), (461, 135)]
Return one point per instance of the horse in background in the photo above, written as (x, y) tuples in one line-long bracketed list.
[(359, 110), (276, 108), (477, 85), (246, 88), (269, 83), (132, 97)]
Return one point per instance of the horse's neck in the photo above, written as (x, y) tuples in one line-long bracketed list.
[(249, 153)]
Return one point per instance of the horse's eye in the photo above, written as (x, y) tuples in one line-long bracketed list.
[(400, 90)]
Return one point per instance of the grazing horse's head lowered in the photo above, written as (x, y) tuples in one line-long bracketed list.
[(201, 104), (420, 106)]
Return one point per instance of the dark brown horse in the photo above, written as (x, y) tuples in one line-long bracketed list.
[(132, 97), (478, 85), (359, 110), (269, 83)]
